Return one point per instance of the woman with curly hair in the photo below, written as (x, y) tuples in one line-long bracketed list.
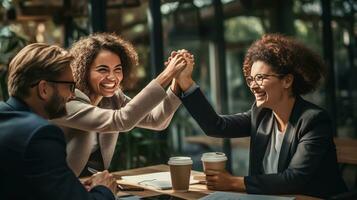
[(291, 140), (103, 64)]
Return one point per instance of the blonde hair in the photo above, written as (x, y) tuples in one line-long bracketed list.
[(35, 62)]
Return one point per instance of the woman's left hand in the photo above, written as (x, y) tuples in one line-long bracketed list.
[(222, 180)]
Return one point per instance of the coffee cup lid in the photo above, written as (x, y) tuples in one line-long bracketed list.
[(180, 160), (213, 157)]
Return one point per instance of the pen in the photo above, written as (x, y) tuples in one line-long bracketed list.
[(94, 171)]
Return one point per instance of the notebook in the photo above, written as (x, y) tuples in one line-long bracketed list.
[(159, 180)]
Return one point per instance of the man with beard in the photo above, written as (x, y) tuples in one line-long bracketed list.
[(33, 151)]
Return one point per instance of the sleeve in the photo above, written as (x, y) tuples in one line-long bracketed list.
[(222, 126), (311, 151), (160, 117), (47, 173), (87, 117)]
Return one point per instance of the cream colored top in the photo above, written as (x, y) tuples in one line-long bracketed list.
[(152, 108), (271, 157)]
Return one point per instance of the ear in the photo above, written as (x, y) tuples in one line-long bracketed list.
[(288, 81), (43, 90)]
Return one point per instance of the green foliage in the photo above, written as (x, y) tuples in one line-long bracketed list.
[(10, 44), (139, 148)]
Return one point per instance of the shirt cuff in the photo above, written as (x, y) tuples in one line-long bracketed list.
[(190, 90)]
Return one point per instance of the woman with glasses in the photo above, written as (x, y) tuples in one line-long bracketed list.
[(291, 140), (103, 65)]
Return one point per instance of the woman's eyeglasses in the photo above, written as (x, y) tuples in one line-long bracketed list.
[(259, 78), (71, 84)]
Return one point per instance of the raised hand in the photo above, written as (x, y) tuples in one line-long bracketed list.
[(184, 79), (173, 67)]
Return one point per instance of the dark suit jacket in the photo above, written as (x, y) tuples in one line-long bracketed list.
[(33, 159), (307, 161)]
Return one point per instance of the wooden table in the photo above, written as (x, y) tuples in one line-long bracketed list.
[(196, 191)]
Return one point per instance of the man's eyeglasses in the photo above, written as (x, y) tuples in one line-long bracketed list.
[(71, 84), (259, 78)]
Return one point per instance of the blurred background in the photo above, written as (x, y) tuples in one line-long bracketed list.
[(217, 32)]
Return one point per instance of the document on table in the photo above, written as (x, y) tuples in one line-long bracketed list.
[(159, 180), (241, 196)]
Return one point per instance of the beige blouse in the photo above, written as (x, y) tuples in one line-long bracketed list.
[(152, 108)]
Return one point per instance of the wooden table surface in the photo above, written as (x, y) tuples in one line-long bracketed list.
[(196, 191)]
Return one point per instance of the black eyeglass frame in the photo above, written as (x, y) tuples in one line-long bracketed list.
[(264, 76), (72, 84)]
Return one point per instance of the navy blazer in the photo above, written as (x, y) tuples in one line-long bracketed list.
[(307, 161), (33, 159)]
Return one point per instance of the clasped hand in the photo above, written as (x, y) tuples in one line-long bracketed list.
[(183, 80)]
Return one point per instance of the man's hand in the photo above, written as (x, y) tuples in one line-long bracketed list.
[(101, 178), (217, 180)]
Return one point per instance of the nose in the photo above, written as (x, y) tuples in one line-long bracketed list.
[(253, 85), (111, 76)]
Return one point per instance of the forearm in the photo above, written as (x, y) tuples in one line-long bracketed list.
[(281, 183), (164, 78), (160, 117), (213, 124), (86, 117)]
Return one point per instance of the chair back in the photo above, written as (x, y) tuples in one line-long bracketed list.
[(346, 149)]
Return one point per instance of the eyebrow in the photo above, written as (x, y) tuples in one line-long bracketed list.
[(118, 65)]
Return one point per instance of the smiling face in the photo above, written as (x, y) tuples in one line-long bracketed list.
[(105, 74), (272, 89)]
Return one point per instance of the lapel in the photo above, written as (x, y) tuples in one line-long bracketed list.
[(261, 140), (289, 136)]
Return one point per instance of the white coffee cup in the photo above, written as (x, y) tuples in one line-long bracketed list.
[(214, 161), (180, 171)]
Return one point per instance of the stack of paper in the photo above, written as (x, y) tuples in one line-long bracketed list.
[(160, 180)]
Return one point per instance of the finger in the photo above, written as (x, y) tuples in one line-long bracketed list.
[(183, 51), (173, 53), (88, 181), (179, 60), (210, 187), (87, 187), (211, 178), (212, 172), (210, 183)]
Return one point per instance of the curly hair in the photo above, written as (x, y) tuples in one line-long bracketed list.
[(287, 56), (86, 50)]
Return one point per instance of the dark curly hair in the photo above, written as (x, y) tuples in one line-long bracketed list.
[(86, 50), (287, 56)]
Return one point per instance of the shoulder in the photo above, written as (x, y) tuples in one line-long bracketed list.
[(305, 110), (308, 117), (24, 120), (20, 128), (80, 102)]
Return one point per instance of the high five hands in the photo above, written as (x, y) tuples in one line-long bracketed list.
[(182, 80)]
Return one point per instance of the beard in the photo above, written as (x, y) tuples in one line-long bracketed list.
[(56, 107)]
